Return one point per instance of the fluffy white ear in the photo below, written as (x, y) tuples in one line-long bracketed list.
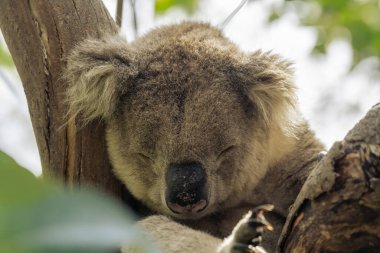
[(98, 72), (271, 88)]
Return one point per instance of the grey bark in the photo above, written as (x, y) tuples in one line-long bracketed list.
[(39, 34), (338, 207)]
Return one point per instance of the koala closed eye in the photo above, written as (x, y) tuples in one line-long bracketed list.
[(143, 157), (226, 151)]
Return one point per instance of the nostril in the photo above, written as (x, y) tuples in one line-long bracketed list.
[(186, 188), (192, 208), (186, 198)]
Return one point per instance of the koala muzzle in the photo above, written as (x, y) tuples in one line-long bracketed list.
[(186, 188)]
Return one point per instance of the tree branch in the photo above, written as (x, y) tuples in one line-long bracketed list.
[(39, 35), (338, 208), (119, 12)]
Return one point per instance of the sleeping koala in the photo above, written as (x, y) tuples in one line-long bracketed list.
[(197, 130)]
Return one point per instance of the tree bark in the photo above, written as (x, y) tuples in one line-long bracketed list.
[(338, 208), (39, 34)]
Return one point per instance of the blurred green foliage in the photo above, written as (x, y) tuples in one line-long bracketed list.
[(163, 5), (5, 57), (39, 217), (12, 176), (358, 21)]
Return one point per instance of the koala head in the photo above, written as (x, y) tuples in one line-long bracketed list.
[(190, 118)]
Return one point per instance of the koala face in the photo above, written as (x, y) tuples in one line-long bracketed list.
[(180, 148), (188, 115)]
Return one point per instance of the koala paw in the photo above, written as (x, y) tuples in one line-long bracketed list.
[(246, 236)]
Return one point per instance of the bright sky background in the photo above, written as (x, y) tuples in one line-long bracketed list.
[(331, 98)]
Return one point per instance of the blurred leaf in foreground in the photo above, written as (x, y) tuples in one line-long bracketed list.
[(36, 217), (163, 5), (17, 185)]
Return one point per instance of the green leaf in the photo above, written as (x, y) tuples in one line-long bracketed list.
[(163, 5), (17, 185), (37, 217), (5, 58), (274, 15), (319, 49), (69, 222), (356, 21)]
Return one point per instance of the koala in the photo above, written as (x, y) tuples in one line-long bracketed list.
[(197, 130)]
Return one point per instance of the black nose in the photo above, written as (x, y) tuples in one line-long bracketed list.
[(186, 190)]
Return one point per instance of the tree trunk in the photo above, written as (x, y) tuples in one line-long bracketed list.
[(39, 34), (338, 208)]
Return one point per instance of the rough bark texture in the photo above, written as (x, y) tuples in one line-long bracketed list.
[(39, 34), (338, 208)]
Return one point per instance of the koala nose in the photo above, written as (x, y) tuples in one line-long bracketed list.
[(186, 190)]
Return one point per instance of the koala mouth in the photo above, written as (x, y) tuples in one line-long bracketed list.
[(186, 191), (188, 209)]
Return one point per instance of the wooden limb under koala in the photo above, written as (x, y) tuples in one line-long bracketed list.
[(338, 208)]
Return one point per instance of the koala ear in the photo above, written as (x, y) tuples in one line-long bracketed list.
[(97, 72), (271, 88)]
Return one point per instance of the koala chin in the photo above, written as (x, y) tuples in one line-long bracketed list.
[(197, 130)]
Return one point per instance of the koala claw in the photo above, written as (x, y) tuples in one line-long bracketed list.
[(259, 221), (248, 233), (321, 155), (240, 247)]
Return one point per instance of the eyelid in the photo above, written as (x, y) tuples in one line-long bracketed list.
[(226, 150), (144, 156)]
